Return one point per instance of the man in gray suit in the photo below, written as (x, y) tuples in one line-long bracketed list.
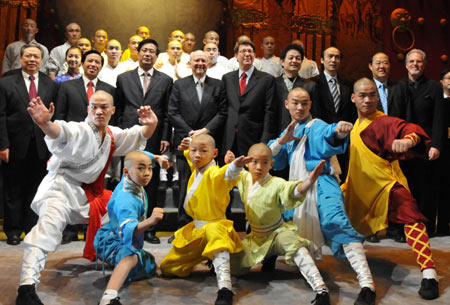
[(141, 87), (197, 105)]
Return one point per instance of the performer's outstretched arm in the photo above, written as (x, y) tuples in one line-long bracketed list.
[(42, 117)]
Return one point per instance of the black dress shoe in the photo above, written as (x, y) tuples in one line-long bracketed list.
[(162, 186), (397, 236), (224, 297), (27, 296), (68, 237), (373, 238), (13, 240), (171, 238), (268, 264), (321, 299), (429, 289), (366, 297), (151, 238)]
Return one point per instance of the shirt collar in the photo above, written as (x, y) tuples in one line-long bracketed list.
[(328, 76), (142, 71), (378, 83), (202, 80), (87, 80), (249, 72), (27, 76)]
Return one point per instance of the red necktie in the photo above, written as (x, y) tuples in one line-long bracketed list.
[(32, 92), (90, 90), (243, 83)]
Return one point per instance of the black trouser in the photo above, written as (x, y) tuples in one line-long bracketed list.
[(21, 179), (184, 172)]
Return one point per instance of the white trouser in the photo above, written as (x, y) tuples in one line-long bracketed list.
[(221, 264), (357, 258), (309, 270), (33, 263)]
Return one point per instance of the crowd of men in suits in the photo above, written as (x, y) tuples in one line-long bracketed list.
[(239, 102)]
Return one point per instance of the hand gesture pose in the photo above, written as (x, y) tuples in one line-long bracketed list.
[(39, 113), (306, 185), (343, 127), (288, 136)]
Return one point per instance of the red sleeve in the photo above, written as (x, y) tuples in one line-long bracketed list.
[(380, 134)]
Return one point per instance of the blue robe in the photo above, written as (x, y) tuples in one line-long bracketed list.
[(114, 241), (322, 145)]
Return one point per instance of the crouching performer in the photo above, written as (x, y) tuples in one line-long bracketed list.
[(72, 191)]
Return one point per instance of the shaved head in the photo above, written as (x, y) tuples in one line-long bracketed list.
[(103, 95), (363, 82), (206, 138), (261, 148), (134, 157), (297, 90)]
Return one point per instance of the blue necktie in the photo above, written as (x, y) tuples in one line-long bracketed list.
[(383, 98)]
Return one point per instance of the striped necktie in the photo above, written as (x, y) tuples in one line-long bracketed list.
[(335, 93), (383, 98)]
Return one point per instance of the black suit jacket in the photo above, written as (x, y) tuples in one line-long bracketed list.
[(325, 104), (129, 97), (422, 105), (281, 93), (72, 101), (252, 115), (16, 126), (390, 90), (186, 113)]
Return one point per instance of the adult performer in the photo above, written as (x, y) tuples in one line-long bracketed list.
[(376, 189), (81, 152)]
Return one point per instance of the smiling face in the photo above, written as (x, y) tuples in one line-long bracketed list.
[(262, 162), (245, 57), (73, 59), (138, 168), (198, 63), (292, 62), (331, 60), (100, 109), (415, 64), (202, 151), (92, 65), (31, 60), (380, 67), (298, 104)]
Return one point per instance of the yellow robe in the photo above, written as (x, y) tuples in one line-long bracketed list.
[(125, 55), (208, 203), (369, 182)]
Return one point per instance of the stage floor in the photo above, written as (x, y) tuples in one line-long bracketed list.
[(69, 279)]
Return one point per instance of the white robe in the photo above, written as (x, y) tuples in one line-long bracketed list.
[(78, 157)]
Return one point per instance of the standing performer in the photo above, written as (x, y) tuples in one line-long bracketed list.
[(81, 152), (376, 191), (303, 144)]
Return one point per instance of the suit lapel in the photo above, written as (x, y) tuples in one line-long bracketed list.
[(156, 78), (191, 91), (42, 88), (207, 93), (330, 102), (252, 82), (79, 84), (22, 89), (135, 78)]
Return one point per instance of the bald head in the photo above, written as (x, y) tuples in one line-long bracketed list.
[(205, 138), (260, 148), (102, 95), (362, 82), (136, 157), (297, 91)]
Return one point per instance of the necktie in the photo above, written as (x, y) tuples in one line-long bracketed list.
[(32, 92), (146, 82), (243, 82), (199, 88), (90, 90), (383, 98), (335, 93)]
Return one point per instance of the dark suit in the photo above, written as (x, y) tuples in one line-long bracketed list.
[(187, 113), (421, 103), (390, 95), (28, 152), (252, 115), (281, 93), (325, 105), (128, 98), (72, 101)]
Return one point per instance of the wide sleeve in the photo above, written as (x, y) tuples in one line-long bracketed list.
[(286, 194), (280, 154), (218, 177), (380, 134), (322, 141), (188, 159), (128, 140)]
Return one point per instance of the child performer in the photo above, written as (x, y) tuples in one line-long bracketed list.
[(120, 242), (270, 235), (210, 235), (321, 141)]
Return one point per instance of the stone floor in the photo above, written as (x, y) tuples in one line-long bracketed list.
[(69, 279)]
